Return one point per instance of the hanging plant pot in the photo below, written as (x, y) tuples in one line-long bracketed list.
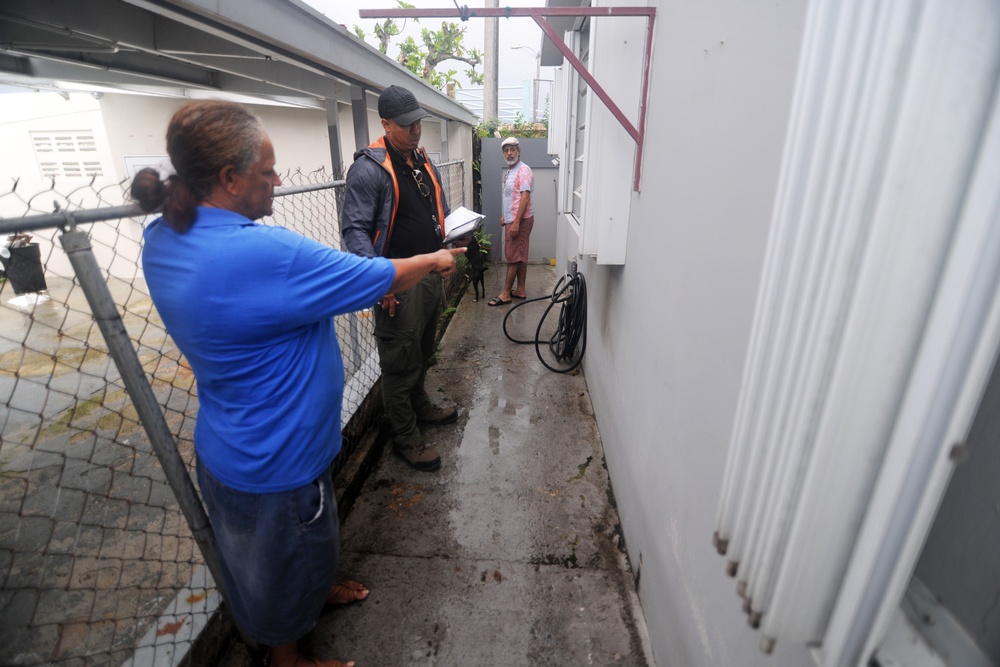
[(24, 269)]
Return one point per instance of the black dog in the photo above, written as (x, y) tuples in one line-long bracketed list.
[(476, 268)]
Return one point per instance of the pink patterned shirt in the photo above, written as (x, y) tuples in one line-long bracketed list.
[(520, 179)]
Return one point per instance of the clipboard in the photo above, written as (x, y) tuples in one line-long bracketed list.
[(460, 222)]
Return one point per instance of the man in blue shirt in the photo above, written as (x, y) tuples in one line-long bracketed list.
[(252, 307)]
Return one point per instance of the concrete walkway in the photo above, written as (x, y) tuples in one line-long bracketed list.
[(509, 554)]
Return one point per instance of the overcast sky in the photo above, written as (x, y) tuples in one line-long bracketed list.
[(515, 65)]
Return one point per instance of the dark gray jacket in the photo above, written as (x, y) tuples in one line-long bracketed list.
[(370, 201)]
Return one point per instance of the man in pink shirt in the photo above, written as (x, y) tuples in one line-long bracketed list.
[(517, 219)]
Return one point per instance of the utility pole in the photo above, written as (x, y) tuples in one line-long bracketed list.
[(491, 66)]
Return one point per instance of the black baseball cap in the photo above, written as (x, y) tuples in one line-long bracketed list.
[(400, 106)]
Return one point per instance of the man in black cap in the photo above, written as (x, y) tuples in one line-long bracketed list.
[(394, 207)]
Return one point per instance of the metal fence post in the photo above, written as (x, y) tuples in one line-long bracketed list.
[(102, 305), (355, 336)]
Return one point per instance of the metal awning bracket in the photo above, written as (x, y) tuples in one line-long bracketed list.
[(538, 14)]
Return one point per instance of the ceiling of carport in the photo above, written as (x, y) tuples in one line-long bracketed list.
[(278, 51)]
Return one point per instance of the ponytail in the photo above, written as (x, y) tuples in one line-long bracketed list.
[(174, 196)]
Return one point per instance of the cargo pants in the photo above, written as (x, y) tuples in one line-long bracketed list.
[(406, 342)]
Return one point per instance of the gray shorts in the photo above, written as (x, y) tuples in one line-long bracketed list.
[(279, 554)]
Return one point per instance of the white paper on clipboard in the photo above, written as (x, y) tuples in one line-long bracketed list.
[(460, 222)]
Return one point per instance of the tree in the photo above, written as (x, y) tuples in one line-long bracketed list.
[(435, 47), (387, 29)]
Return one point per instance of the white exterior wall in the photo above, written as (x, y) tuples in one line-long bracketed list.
[(668, 330), (134, 127), (301, 137), (24, 113), (374, 122), (137, 125), (430, 137), (345, 121), (460, 146), (21, 178)]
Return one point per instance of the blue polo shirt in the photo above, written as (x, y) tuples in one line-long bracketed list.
[(251, 308)]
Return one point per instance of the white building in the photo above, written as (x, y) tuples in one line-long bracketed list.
[(793, 321)]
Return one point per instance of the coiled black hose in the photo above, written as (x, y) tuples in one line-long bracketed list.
[(570, 293)]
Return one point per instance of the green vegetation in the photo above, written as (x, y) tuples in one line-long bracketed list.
[(434, 48), (484, 240), (520, 128)]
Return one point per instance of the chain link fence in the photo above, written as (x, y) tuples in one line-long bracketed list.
[(103, 543)]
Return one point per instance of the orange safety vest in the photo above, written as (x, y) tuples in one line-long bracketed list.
[(388, 166)]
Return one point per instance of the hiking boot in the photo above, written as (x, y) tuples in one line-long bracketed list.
[(438, 416), (420, 456)]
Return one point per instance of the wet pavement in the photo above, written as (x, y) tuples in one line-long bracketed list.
[(509, 554)]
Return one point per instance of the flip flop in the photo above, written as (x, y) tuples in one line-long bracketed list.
[(497, 301)]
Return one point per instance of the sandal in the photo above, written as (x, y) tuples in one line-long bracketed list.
[(497, 301)]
